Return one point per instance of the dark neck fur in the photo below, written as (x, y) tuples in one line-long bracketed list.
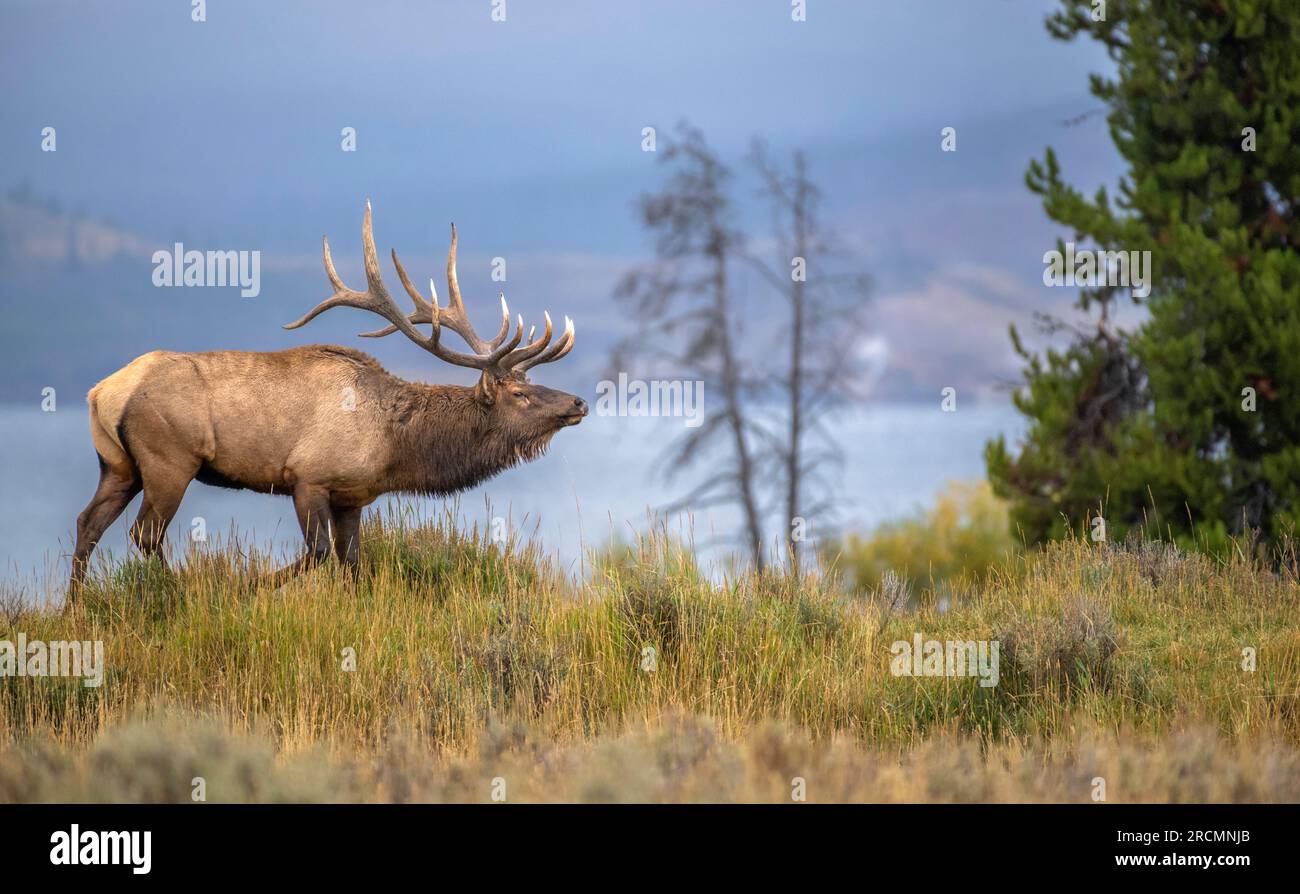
[(446, 442)]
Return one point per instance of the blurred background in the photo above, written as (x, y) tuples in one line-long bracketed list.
[(529, 133)]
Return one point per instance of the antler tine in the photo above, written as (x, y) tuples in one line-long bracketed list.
[(556, 351), (532, 349), (375, 299), (505, 324), (335, 300), (476, 361), (453, 284), (453, 316), (423, 309)]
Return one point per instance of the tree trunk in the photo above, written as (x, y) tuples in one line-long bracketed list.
[(797, 309), (735, 416)]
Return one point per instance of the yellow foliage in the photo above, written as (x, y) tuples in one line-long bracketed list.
[(960, 539)]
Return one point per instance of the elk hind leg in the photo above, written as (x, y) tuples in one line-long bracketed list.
[(164, 488), (118, 485)]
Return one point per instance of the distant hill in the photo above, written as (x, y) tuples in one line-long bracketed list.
[(42, 233)]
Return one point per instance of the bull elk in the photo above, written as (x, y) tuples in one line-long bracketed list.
[(323, 424)]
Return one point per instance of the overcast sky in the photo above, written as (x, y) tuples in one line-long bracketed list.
[(226, 134)]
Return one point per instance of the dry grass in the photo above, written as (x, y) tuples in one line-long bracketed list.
[(475, 661), (680, 759)]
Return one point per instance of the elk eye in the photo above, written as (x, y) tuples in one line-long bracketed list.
[(519, 394)]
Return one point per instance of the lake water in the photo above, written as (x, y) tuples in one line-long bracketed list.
[(597, 479)]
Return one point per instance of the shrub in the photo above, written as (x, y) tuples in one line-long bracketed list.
[(961, 540), (1059, 653)]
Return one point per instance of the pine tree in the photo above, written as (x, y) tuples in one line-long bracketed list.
[(1190, 422)]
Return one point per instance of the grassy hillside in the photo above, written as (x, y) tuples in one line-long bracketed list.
[(474, 661)]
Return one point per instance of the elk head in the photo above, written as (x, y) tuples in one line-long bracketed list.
[(525, 413)]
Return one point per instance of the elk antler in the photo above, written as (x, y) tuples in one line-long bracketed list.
[(498, 355), (487, 355), (375, 299), (555, 352)]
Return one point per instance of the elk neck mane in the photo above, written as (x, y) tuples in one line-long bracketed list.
[(446, 441)]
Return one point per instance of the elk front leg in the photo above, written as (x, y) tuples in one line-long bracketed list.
[(312, 504), (347, 537)]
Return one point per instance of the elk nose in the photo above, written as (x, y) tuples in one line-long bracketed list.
[(580, 405)]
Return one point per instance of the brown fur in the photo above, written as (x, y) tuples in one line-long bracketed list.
[(323, 424)]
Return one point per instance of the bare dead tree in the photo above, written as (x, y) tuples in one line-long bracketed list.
[(685, 303), (826, 322)]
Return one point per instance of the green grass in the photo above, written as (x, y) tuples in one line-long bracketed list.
[(471, 656)]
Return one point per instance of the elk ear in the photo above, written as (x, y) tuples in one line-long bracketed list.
[(485, 392)]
